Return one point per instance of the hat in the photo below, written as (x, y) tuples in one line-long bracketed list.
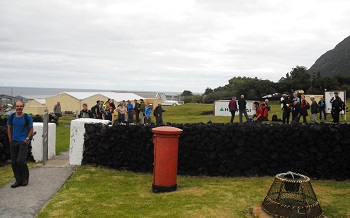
[(262, 104), (335, 92), (149, 104)]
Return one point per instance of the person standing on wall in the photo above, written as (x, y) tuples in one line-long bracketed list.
[(232, 106), (57, 110), (158, 113), (20, 130), (337, 106), (242, 108)]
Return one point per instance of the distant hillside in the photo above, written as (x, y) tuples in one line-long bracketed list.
[(335, 61)]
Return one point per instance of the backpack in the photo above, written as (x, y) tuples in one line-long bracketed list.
[(274, 118), (307, 105), (12, 116), (93, 109)]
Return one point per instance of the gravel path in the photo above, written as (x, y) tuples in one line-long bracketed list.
[(44, 182)]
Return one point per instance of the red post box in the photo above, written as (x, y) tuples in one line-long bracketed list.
[(166, 146)]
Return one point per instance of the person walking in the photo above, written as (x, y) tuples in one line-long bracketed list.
[(19, 131), (232, 105), (158, 113), (58, 111), (242, 108)]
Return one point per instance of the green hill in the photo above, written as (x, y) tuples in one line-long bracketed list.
[(334, 62)]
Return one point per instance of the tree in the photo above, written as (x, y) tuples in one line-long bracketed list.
[(208, 91), (187, 93)]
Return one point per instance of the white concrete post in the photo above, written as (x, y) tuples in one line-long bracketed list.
[(37, 142), (77, 130)]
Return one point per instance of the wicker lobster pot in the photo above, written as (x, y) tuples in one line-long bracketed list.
[(291, 195)]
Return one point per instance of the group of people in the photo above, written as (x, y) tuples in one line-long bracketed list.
[(297, 107), (262, 109), (124, 112), (300, 107)]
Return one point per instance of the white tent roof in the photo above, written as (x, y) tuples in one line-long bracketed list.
[(111, 95), (40, 100)]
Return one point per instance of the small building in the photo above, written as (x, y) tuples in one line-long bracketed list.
[(35, 106), (72, 101)]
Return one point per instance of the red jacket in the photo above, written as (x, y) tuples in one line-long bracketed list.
[(259, 112), (265, 112)]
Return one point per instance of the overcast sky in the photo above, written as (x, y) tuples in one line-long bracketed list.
[(160, 45)]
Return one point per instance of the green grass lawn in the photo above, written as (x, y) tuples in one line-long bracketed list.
[(194, 113), (6, 174), (101, 192), (63, 134)]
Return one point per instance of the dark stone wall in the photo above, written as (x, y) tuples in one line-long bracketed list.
[(319, 151), (4, 142)]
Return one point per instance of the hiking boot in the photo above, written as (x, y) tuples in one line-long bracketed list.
[(16, 184), (25, 182)]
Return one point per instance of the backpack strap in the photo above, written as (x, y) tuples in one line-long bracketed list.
[(26, 119), (12, 116)]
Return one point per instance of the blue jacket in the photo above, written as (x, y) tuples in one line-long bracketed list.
[(130, 108), (148, 112)]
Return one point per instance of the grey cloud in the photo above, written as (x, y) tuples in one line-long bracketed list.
[(153, 45)]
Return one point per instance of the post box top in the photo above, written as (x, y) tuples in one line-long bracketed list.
[(168, 130)]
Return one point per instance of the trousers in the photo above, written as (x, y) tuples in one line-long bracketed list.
[(243, 111), (19, 152)]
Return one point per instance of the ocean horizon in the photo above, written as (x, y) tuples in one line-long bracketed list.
[(46, 92)]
